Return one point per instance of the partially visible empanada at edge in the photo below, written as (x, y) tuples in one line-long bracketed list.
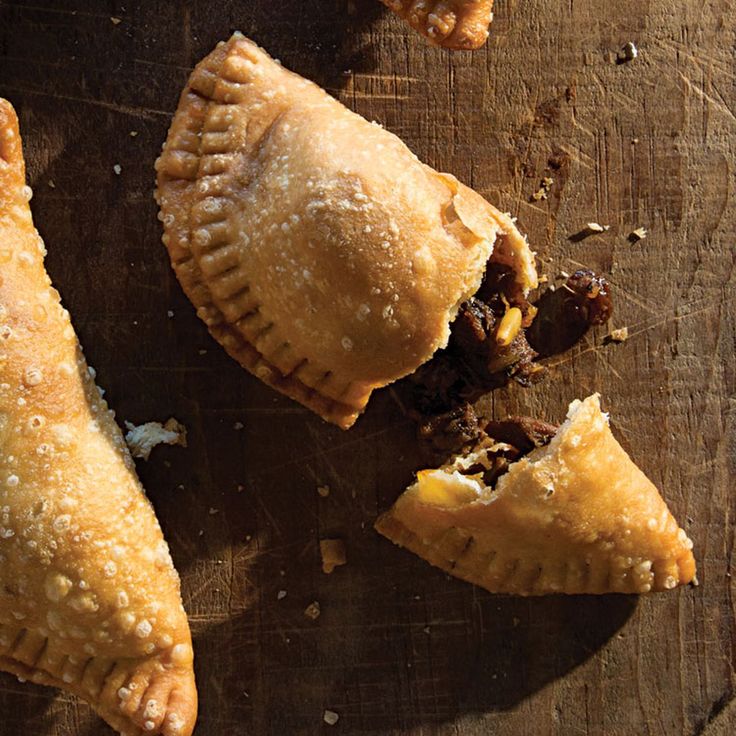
[(89, 597), (454, 24), (575, 515), (324, 256)]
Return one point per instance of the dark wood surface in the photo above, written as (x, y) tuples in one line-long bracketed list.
[(399, 648)]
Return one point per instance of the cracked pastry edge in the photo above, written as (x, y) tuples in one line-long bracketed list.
[(453, 24), (449, 538), (236, 320)]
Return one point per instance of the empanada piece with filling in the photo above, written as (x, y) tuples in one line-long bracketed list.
[(320, 252), (454, 24), (89, 597), (573, 515)]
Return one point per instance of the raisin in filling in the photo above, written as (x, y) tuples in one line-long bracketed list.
[(564, 315)]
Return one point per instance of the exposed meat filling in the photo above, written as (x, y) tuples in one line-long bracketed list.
[(506, 442), (487, 347), (497, 336)]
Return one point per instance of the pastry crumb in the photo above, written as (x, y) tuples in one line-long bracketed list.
[(143, 438), (313, 611), (330, 717), (52, 184), (323, 491), (628, 53), (544, 187), (639, 234), (619, 335), (595, 227), (170, 313), (281, 595), (118, 169), (333, 554), (115, 20), (213, 511), (238, 426), (133, 133)]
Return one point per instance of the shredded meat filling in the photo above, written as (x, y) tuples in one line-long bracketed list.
[(512, 439)]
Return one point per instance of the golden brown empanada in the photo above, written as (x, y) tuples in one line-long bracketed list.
[(324, 256), (574, 516), (454, 24), (89, 598)]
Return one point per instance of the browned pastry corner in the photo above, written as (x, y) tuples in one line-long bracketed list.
[(575, 515), (89, 597), (454, 24), (320, 252)]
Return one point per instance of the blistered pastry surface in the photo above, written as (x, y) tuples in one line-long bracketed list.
[(310, 239), (88, 592), (575, 517)]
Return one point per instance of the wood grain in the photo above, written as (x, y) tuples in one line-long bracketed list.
[(399, 648)]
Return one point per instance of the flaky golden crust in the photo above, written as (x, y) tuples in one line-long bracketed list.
[(89, 598), (318, 249), (454, 24), (577, 516)]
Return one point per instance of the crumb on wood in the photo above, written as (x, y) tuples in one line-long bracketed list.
[(323, 491), (115, 20), (281, 595), (313, 611), (628, 53), (330, 717), (333, 554), (238, 426), (52, 184), (595, 227), (619, 335), (141, 439), (544, 188), (213, 511), (118, 169), (639, 234), (133, 133)]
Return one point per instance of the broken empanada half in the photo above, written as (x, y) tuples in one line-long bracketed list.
[(320, 252), (573, 516), (454, 24), (89, 597)]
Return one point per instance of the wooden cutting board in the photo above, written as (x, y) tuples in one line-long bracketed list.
[(399, 648)]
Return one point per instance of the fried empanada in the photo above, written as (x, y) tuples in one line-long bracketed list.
[(574, 515), (320, 252), (454, 24), (89, 597)]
